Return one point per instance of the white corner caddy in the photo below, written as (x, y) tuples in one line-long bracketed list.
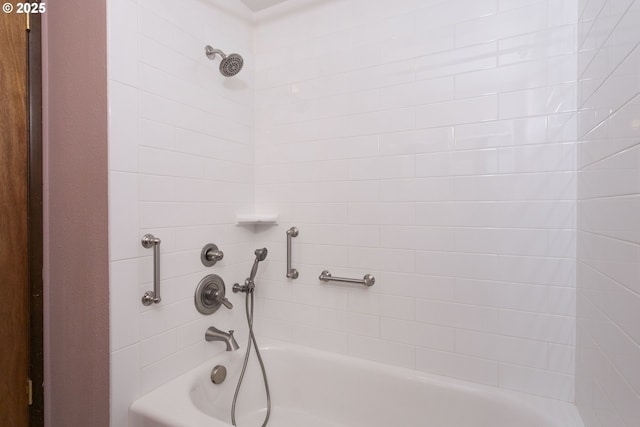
[(258, 218)]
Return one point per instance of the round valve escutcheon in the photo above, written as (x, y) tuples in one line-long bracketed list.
[(210, 294)]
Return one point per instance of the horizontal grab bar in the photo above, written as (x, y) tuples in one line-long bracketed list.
[(367, 280)]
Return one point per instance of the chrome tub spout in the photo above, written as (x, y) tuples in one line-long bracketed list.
[(215, 334)]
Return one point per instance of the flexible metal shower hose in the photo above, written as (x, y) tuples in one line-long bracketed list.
[(252, 338)]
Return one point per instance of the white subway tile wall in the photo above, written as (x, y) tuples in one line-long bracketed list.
[(608, 292), (181, 165), (432, 145)]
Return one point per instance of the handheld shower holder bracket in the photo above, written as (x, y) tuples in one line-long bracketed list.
[(247, 288)]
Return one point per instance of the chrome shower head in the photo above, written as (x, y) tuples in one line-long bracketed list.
[(230, 65)]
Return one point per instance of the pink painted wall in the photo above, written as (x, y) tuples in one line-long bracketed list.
[(76, 228)]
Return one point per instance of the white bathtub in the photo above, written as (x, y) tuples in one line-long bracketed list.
[(312, 388)]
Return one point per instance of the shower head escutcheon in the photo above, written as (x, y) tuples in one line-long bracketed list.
[(230, 65)]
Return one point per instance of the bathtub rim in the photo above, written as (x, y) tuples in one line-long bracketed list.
[(161, 404)]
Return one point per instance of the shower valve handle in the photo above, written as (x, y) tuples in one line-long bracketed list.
[(210, 255), (224, 301), (213, 295)]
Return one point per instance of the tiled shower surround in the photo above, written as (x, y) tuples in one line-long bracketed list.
[(431, 143), (181, 166), (608, 314), (434, 147)]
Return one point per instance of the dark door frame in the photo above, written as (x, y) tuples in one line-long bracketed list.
[(35, 223)]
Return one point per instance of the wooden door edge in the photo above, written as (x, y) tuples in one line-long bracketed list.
[(35, 223)]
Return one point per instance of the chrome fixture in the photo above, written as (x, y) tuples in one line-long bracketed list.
[(215, 334), (230, 65), (210, 295), (249, 283), (292, 273), (218, 374), (248, 289), (210, 255), (153, 297), (368, 279)]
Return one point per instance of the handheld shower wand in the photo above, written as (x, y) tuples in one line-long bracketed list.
[(261, 254), (248, 289), (249, 284)]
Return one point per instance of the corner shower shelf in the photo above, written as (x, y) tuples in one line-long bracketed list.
[(256, 219)]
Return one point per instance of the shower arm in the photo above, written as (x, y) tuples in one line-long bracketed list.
[(212, 52)]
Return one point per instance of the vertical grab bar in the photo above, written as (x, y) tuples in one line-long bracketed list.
[(292, 273), (151, 297)]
